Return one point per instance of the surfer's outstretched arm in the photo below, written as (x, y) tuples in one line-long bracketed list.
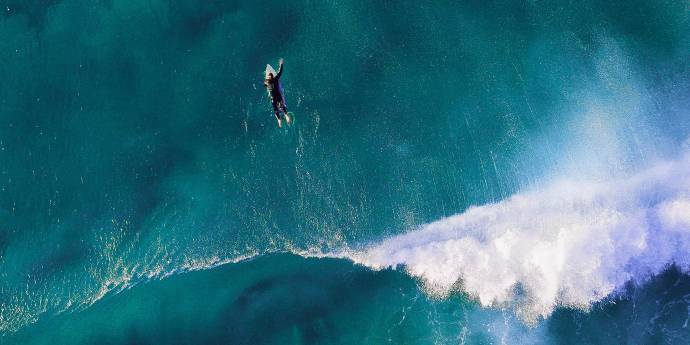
[(280, 69)]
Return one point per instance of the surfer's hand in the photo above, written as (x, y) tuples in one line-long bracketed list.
[(281, 61)]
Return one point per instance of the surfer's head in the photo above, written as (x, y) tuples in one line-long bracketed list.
[(269, 75)]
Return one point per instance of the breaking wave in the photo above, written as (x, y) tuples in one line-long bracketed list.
[(569, 244)]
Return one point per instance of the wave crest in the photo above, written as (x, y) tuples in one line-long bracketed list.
[(570, 244)]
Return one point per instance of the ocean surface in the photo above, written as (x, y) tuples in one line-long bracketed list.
[(458, 172)]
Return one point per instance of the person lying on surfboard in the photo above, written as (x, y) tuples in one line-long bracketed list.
[(275, 92)]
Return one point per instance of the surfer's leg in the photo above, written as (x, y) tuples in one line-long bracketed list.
[(284, 109), (277, 114)]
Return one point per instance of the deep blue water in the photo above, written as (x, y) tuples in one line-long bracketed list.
[(140, 166)]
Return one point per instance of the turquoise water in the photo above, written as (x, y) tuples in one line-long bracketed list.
[(147, 195)]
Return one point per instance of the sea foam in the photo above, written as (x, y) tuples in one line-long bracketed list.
[(569, 244)]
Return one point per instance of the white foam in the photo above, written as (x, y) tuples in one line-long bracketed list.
[(569, 244), (676, 214)]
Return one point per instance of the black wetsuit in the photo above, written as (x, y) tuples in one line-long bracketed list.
[(275, 92)]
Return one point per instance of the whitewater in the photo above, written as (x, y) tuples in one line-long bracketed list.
[(569, 244)]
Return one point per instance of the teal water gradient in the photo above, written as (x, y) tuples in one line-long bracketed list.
[(136, 141), (281, 299)]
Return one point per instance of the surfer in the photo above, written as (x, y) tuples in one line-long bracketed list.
[(275, 92)]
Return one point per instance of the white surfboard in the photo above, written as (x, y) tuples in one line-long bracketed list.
[(270, 69)]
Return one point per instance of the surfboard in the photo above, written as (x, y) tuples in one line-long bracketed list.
[(270, 69)]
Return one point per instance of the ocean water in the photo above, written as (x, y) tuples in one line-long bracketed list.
[(458, 172)]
